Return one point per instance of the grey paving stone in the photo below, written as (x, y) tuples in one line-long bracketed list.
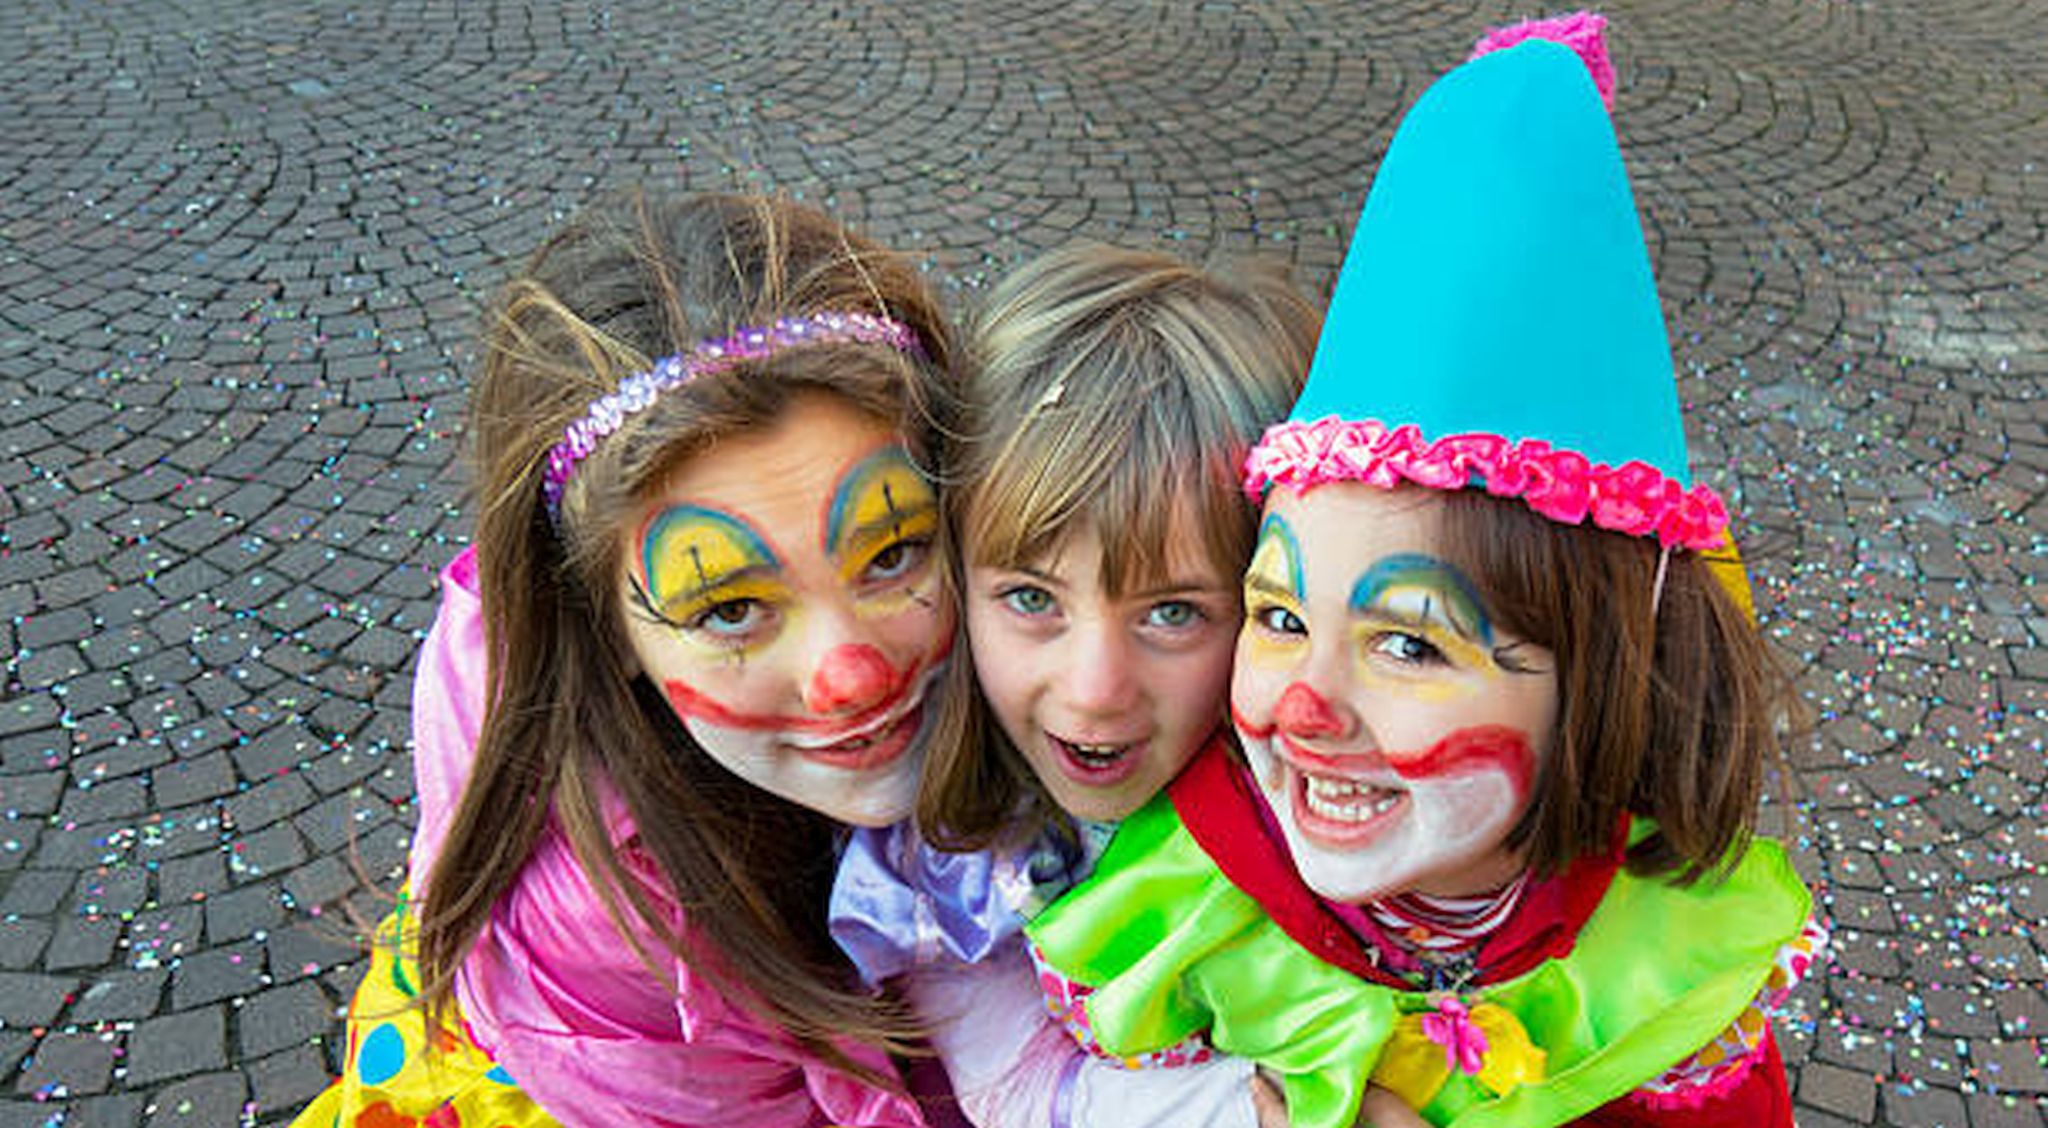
[(36, 892), (215, 973), (294, 1014), (82, 941), (32, 1000), (33, 794), (22, 942), (177, 1045), (196, 1102), (284, 1081), (1839, 1091), (275, 849), (192, 877), (267, 802), (120, 996), (189, 781), (14, 1045), (68, 1065), (243, 912), (310, 948), (111, 1110)]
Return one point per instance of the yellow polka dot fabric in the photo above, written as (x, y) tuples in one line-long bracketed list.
[(400, 1074)]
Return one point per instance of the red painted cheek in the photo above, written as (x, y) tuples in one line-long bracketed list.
[(1481, 748), (851, 676), (1303, 712), (692, 704)]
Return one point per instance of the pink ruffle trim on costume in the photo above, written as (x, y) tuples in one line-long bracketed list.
[(1583, 32), (1067, 1002), (1634, 498), (1723, 1064)]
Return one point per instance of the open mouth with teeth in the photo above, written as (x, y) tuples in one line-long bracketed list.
[(1338, 812), (1096, 765)]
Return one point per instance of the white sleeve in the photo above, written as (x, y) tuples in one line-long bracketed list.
[(1012, 1066), (1213, 1094)]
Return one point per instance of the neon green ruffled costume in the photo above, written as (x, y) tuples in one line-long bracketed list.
[(1172, 947)]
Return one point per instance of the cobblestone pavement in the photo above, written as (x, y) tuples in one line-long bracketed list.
[(241, 248)]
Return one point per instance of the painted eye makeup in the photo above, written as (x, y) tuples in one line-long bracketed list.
[(1419, 613), (708, 575), (1273, 583), (882, 519)]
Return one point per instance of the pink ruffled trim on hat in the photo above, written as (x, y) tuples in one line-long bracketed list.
[(1563, 485), (1583, 32)]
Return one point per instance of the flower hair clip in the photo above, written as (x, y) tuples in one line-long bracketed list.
[(636, 393)]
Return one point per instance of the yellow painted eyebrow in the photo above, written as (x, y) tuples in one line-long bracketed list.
[(690, 552)]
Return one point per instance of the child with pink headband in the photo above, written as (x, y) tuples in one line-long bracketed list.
[(693, 643)]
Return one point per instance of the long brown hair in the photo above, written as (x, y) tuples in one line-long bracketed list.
[(1671, 707), (1108, 388), (624, 282)]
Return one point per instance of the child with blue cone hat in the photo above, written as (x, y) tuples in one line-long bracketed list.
[(1504, 729)]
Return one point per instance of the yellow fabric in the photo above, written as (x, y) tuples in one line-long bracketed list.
[(1725, 564), (391, 1080), (1415, 1068)]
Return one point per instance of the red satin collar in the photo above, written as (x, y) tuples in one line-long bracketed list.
[(1220, 805)]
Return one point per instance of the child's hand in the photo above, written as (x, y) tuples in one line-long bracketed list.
[(1382, 1109), (1267, 1101)]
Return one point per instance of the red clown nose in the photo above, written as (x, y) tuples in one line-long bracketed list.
[(851, 676), (1303, 712)]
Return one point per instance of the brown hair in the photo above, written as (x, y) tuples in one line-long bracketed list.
[(1106, 388), (622, 283), (1671, 712)]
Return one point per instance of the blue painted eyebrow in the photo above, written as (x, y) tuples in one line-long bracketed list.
[(1449, 596), (848, 492), (1275, 528)]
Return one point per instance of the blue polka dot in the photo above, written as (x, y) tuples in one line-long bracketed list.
[(499, 1075), (382, 1055)]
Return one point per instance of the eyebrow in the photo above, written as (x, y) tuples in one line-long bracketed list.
[(657, 566), (1434, 578), (1258, 583), (891, 522)]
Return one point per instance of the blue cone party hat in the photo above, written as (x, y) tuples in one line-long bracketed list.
[(1496, 322)]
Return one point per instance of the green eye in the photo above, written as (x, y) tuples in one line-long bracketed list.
[(1027, 600), (1173, 614)]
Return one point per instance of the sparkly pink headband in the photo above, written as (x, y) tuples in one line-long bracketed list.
[(636, 393), (1634, 498)]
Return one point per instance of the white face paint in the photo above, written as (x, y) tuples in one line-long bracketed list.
[(782, 594), (1394, 731)]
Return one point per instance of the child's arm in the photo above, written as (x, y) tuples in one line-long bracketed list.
[(1012, 1066)]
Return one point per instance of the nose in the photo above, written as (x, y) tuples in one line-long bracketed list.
[(850, 677), (1099, 676), (1305, 713)]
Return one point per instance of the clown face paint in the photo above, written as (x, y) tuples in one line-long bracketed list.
[(780, 590), (1107, 696), (1394, 730)]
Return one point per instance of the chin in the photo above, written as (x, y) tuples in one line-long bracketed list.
[(1350, 878), (879, 802)]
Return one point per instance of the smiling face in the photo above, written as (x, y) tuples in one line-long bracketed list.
[(1394, 729), (1107, 695), (780, 590)]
